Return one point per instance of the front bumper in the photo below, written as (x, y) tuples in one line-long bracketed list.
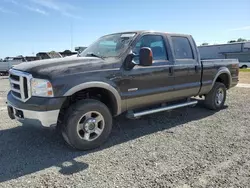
[(235, 81), (46, 119), (30, 112)]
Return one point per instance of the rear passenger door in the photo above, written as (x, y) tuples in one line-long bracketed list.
[(187, 69)]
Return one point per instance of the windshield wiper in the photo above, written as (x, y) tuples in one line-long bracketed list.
[(94, 55)]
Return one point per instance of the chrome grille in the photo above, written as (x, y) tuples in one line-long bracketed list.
[(20, 84)]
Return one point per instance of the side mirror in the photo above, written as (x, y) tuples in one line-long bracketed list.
[(145, 57)]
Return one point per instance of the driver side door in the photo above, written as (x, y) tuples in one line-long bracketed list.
[(143, 86)]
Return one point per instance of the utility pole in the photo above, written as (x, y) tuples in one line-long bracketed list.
[(33, 50), (71, 35)]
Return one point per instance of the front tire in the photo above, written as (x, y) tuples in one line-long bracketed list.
[(215, 99), (88, 124)]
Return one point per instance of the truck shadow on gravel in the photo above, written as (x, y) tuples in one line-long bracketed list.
[(25, 149)]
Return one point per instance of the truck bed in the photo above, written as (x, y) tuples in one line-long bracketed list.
[(214, 67), (220, 61)]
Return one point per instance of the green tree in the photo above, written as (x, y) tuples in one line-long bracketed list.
[(231, 41), (67, 51), (204, 44), (238, 40), (241, 40)]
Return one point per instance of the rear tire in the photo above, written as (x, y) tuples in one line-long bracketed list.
[(244, 67), (88, 124), (215, 99)]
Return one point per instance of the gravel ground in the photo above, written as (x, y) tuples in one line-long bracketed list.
[(191, 147)]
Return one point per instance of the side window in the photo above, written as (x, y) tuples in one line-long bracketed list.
[(156, 43), (182, 48)]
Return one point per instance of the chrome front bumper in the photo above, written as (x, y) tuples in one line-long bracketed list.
[(37, 118)]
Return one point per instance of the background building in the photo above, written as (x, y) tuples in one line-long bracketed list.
[(237, 50)]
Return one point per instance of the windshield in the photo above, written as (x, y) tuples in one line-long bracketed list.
[(109, 45)]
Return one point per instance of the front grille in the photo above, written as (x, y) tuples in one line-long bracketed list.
[(14, 77), (20, 84)]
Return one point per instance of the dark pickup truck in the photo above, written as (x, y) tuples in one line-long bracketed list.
[(134, 73)]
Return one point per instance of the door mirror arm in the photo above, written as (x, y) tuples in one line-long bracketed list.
[(129, 63)]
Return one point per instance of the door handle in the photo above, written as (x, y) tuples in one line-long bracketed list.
[(196, 68), (171, 70)]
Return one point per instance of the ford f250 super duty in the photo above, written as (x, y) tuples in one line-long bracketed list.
[(132, 73)]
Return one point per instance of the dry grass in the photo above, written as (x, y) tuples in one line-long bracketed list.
[(244, 70), (244, 77)]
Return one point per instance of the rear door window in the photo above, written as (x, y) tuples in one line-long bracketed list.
[(182, 48)]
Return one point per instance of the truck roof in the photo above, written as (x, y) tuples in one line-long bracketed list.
[(149, 31)]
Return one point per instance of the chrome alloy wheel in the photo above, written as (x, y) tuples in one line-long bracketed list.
[(90, 126), (219, 96)]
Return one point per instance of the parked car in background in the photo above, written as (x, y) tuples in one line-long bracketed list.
[(48, 55), (10, 62), (244, 65)]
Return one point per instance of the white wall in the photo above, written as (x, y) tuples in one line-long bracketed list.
[(214, 51)]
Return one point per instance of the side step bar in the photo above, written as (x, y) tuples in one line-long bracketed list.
[(161, 109)]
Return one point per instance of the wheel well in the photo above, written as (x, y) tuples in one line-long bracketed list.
[(100, 94), (224, 78)]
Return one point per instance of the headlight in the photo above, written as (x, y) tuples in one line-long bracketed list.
[(41, 88)]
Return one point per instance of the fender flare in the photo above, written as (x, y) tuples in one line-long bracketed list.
[(97, 84), (223, 70)]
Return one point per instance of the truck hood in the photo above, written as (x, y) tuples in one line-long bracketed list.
[(62, 66)]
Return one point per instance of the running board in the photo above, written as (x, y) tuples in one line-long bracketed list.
[(156, 110)]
